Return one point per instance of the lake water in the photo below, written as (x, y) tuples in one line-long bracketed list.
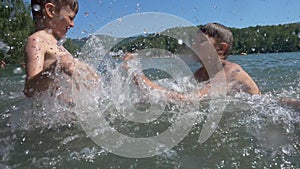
[(254, 132)]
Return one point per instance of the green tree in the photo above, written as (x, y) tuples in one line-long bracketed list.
[(16, 25)]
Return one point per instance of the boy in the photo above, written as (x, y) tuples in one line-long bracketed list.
[(236, 79), (45, 58)]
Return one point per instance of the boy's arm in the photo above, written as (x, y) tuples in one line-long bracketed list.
[(35, 56), (36, 80), (143, 82), (36, 84)]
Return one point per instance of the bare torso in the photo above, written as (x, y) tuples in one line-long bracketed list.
[(237, 80), (44, 59)]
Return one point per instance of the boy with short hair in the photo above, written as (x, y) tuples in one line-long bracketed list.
[(235, 78), (44, 56)]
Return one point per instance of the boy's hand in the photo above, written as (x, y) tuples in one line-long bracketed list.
[(67, 65)]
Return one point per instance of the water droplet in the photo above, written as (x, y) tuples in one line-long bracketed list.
[(138, 7), (287, 149), (245, 152), (221, 164), (119, 19), (62, 41), (17, 70), (36, 7), (145, 31), (86, 14), (4, 47), (180, 41), (50, 31)]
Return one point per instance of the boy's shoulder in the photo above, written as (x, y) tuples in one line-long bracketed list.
[(41, 39), (39, 35), (231, 66)]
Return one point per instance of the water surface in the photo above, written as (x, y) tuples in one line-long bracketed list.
[(254, 132)]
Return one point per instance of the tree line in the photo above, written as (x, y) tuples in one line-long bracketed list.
[(258, 39), (16, 25)]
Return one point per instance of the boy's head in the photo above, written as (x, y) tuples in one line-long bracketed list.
[(222, 36), (38, 7)]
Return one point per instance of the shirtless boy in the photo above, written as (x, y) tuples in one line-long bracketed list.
[(236, 79), (44, 56)]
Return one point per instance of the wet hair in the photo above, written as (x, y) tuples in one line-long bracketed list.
[(220, 33), (37, 6)]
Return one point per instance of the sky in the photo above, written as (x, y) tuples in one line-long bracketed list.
[(96, 14)]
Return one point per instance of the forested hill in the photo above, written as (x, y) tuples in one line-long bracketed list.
[(258, 39), (16, 25), (267, 39)]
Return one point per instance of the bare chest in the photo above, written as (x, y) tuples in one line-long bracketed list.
[(55, 54)]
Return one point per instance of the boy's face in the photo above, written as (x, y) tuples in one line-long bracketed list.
[(203, 46), (62, 21)]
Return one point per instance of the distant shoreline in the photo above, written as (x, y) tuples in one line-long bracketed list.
[(249, 40)]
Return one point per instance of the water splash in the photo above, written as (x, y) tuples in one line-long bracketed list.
[(4, 47), (36, 7), (138, 8), (255, 131), (61, 41), (18, 70), (180, 41)]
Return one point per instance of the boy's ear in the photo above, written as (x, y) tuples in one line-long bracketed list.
[(49, 9), (222, 48)]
